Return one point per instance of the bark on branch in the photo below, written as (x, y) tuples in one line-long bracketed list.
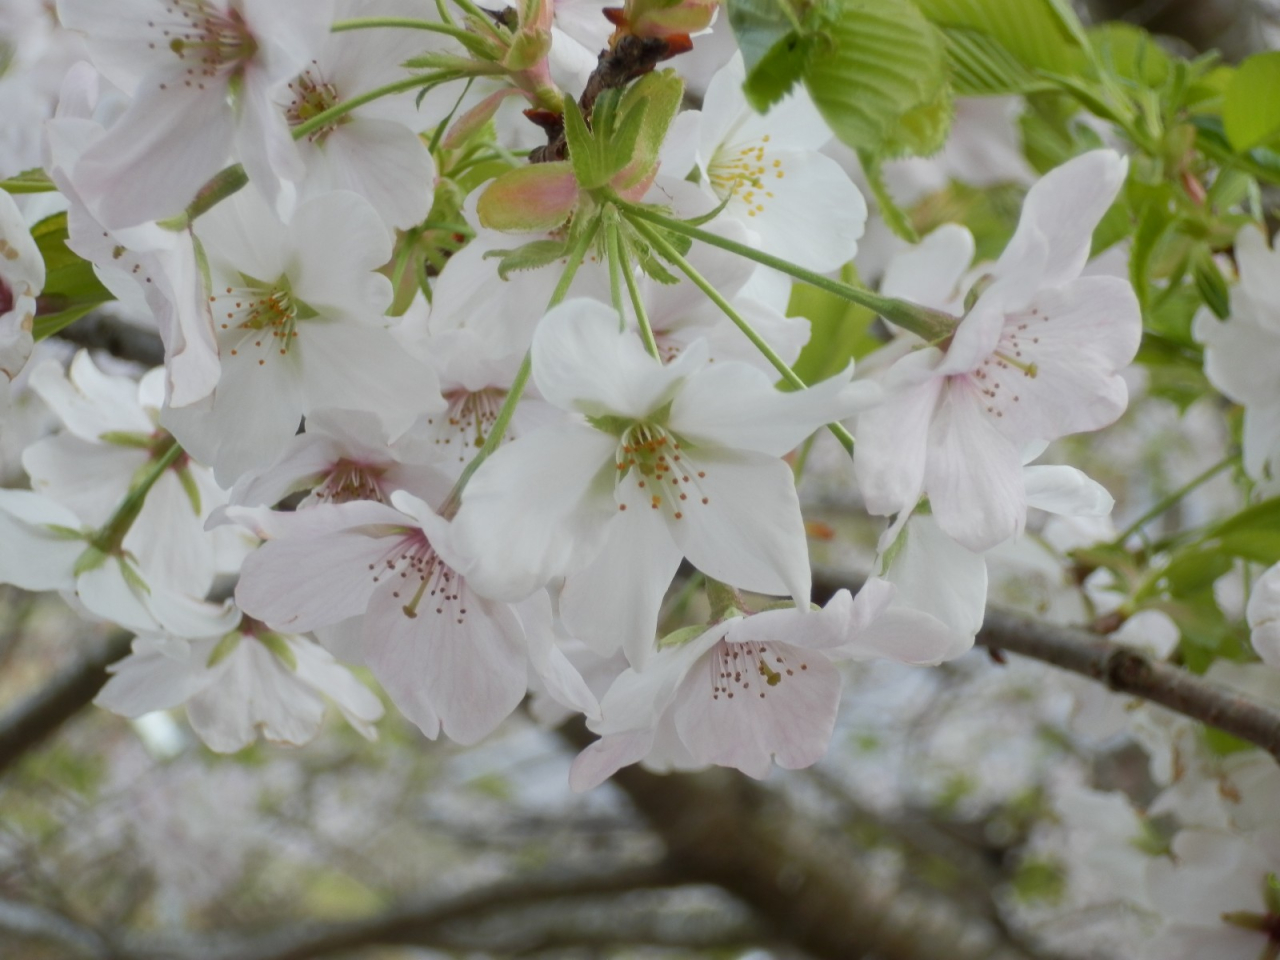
[(1120, 668), (27, 724)]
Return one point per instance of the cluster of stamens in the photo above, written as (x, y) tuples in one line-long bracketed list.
[(661, 471), (349, 480), (211, 45), (424, 576), (736, 666), (309, 97), (1006, 362), (744, 174), (467, 420), (269, 317)]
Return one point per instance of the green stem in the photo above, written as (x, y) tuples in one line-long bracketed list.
[(508, 408), (405, 23), (670, 253), (325, 117), (637, 302), (615, 261), (930, 325), (1172, 499), (111, 536)]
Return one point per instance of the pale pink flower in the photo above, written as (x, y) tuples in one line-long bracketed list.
[(1036, 358)]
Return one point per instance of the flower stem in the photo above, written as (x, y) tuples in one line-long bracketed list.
[(404, 23), (618, 256), (930, 325), (508, 408), (670, 253), (111, 536), (637, 301), (1173, 498), (325, 117), (614, 256)]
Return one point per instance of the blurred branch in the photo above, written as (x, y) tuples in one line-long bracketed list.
[(128, 341), (807, 883), (1233, 27), (31, 721), (1120, 668)]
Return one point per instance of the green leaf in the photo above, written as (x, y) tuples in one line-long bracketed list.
[(981, 67), (584, 150), (1131, 53), (779, 70), (1252, 534), (649, 106), (540, 196), (1211, 284), (1038, 33), (1260, 162), (878, 77), (71, 288), (1251, 113), (839, 331), (758, 26)]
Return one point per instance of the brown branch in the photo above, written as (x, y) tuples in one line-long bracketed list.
[(804, 881), (1120, 668), (69, 692), (1126, 670), (128, 341)]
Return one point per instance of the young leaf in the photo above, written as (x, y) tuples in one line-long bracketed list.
[(1251, 113), (879, 77)]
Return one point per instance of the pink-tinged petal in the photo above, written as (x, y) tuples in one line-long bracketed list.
[(340, 241), (152, 678), (536, 197), (106, 593), (974, 474), (736, 405), (806, 210), (364, 368), (613, 602), (151, 162), (906, 635), (88, 401), (936, 575), (299, 583), (749, 532), (1259, 267), (774, 701), (1065, 206), (977, 335), (317, 668), (459, 659), (383, 161), (583, 363), (892, 439), (186, 616), (930, 273), (536, 509), (365, 516), (1071, 342), (34, 557), (1066, 491), (602, 759), (559, 677), (798, 626)]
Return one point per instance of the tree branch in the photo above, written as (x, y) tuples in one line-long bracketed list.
[(1120, 668), (101, 331), (70, 691)]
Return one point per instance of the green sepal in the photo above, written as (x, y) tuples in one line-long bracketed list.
[(71, 288), (91, 559), (1211, 284), (540, 196), (678, 638), (529, 256), (613, 425), (224, 648), (133, 578), (127, 438), (280, 647), (649, 106), (188, 481), (585, 150), (34, 180)]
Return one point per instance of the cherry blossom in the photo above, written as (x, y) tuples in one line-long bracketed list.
[(1036, 358), (660, 462), (202, 74), (450, 659), (238, 683), (21, 280)]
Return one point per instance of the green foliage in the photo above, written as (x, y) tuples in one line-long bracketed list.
[(1036, 34), (71, 288), (840, 331), (1251, 113), (880, 78)]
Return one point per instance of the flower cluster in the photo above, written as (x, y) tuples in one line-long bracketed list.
[(457, 406)]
